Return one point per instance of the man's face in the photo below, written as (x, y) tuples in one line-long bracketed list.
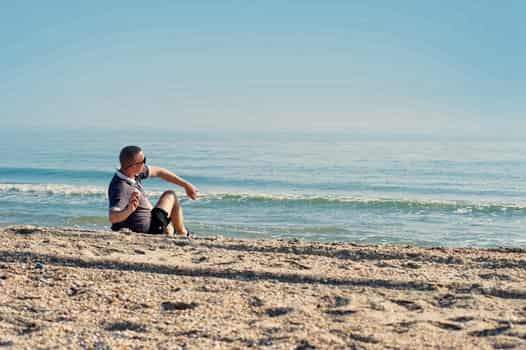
[(138, 164)]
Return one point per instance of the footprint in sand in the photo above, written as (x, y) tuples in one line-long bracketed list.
[(125, 326), (493, 276), (278, 311), (255, 301), (305, 345), (490, 332), (340, 312), (6, 343), (462, 319), (28, 328), (364, 338), (199, 260), (171, 306), (336, 301), (403, 327), (409, 305), (446, 325), (448, 300), (298, 265)]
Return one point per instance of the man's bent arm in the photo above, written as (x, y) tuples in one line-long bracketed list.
[(117, 216)]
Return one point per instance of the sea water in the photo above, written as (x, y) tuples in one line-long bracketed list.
[(323, 186)]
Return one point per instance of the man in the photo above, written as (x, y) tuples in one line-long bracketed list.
[(129, 205)]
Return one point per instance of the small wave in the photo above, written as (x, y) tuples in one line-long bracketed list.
[(457, 206), (52, 189), (59, 190), (460, 207)]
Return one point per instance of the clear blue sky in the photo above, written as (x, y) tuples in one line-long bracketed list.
[(408, 66)]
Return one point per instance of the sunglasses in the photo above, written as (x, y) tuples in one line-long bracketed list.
[(138, 163)]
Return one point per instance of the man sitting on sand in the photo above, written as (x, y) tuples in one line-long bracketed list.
[(129, 205)]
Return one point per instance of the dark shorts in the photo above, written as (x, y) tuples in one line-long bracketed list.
[(146, 221), (159, 221)]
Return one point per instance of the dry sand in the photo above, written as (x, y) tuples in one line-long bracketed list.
[(76, 289)]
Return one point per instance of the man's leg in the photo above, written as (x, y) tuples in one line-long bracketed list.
[(171, 205)]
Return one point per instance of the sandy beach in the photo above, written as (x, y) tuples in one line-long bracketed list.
[(62, 288)]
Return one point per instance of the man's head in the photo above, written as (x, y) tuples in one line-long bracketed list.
[(132, 160)]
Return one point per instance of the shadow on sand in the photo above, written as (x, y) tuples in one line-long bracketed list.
[(250, 275)]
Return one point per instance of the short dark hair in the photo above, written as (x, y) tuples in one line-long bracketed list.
[(127, 155)]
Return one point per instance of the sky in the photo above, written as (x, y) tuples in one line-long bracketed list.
[(421, 67)]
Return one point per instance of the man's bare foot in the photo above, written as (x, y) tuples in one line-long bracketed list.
[(188, 235)]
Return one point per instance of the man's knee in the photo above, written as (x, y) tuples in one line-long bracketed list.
[(173, 198), (169, 194)]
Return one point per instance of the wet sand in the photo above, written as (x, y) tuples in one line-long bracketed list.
[(62, 288)]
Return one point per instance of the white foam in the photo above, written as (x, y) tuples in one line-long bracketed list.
[(53, 189), (467, 210), (461, 207)]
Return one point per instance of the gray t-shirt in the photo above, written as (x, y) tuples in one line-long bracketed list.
[(119, 193)]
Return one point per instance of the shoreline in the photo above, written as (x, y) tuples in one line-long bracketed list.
[(107, 230), (79, 288)]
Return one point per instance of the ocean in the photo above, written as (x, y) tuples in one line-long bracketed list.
[(324, 186)]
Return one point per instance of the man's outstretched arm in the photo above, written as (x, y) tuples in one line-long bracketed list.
[(167, 175)]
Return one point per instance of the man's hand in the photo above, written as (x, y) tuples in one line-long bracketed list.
[(134, 201), (191, 191), (119, 215)]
